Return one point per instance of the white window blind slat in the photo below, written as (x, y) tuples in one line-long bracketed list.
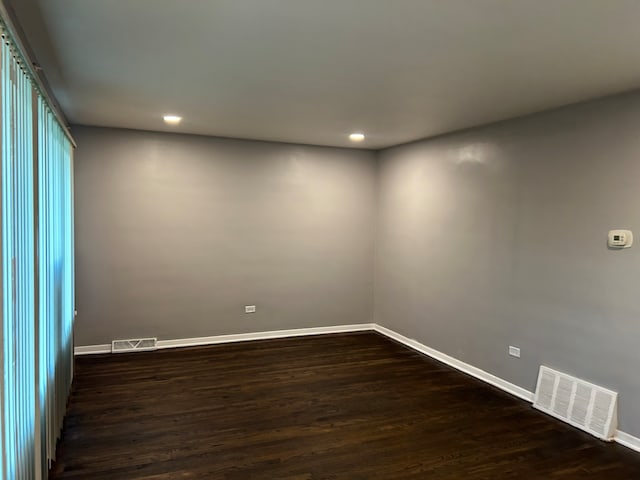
[(37, 261)]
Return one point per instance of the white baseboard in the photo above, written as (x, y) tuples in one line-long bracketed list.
[(622, 438), (247, 337), (458, 364), (240, 337), (627, 440), (92, 349)]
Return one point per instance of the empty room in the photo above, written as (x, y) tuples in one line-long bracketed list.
[(320, 239)]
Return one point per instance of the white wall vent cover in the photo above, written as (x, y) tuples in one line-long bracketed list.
[(579, 403), (134, 345)]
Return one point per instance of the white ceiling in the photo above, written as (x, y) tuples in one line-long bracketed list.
[(312, 71)]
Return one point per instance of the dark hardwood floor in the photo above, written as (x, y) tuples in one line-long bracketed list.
[(354, 406)]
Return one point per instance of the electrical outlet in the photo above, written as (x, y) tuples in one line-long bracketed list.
[(250, 309), (514, 351)]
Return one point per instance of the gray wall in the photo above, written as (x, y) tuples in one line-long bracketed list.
[(486, 238), (176, 233), (497, 236)]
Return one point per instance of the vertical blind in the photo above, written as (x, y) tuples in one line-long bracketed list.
[(18, 269), (37, 271), (56, 275)]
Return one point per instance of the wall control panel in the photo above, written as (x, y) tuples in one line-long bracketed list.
[(620, 238)]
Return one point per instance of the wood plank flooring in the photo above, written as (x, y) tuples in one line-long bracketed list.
[(352, 407)]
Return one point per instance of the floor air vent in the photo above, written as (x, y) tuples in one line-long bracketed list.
[(133, 345), (579, 403)]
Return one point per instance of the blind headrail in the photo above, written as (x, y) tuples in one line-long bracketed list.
[(8, 28)]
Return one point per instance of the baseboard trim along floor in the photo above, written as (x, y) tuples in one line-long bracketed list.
[(622, 438)]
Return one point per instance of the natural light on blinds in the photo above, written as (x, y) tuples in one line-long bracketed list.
[(37, 271)]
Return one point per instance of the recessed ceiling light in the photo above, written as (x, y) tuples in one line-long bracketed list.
[(172, 119), (356, 137)]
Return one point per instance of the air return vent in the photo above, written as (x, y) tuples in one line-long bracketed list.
[(133, 345), (579, 403)]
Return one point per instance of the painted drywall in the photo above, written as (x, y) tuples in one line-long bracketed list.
[(497, 236), (175, 234), (486, 238)]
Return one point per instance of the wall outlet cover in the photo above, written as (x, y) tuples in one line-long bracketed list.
[(250, 309)]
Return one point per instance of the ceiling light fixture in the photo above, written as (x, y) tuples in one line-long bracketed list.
[(172, 119), (356, 137)]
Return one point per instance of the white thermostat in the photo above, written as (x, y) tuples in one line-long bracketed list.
[(620, 238)]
